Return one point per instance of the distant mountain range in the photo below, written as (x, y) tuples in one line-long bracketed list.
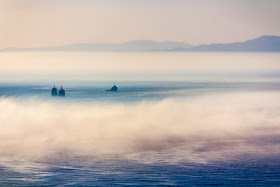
[(136, 45), (262, 44)]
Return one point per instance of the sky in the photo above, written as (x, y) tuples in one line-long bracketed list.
[(34, 23)]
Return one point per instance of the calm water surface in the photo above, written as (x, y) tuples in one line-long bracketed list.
[(181, 162), (182, 119)]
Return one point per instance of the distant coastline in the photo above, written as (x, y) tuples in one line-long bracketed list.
[(266, 43)]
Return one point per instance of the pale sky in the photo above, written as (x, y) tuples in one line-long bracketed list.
[(31, 23)]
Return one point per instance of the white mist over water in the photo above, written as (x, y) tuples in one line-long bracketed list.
[(163, 133), (222, 121), (149, 66)]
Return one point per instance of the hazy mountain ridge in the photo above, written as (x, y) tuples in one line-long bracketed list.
[(264, 43), (135, 45)]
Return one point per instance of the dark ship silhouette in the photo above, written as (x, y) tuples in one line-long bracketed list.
[(54, 91), (60, 93), (113, 89)]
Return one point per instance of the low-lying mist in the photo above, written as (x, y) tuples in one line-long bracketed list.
[(241, 122)]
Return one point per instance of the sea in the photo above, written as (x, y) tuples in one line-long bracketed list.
[(177, 119)]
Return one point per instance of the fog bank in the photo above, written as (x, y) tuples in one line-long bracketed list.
[(34, 127)]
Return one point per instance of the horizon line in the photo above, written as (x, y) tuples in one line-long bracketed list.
[(62, 45)]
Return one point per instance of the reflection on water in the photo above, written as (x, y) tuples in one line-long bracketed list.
[(148, 133)]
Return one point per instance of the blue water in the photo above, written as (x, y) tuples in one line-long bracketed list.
[(128, 92), (83, 171), (144, 167)]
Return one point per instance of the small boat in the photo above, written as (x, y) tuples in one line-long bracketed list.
[(61, 92), (113, 89), (54, 91)]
